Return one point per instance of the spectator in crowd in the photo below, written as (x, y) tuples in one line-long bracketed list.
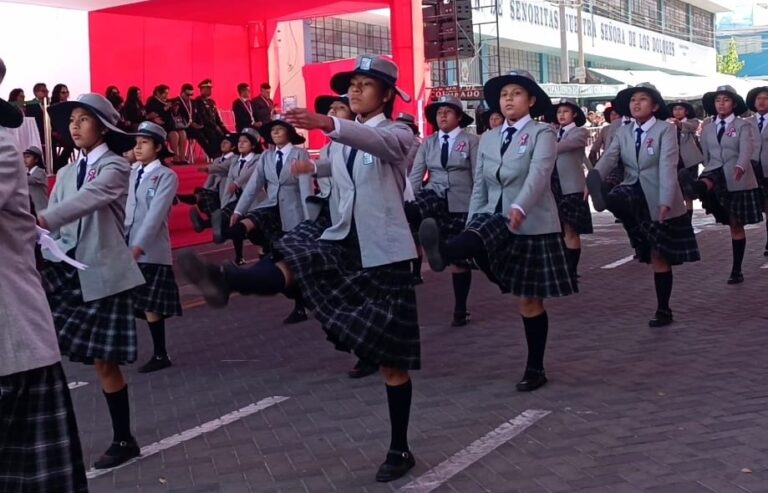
[(60, 94), (113, 96), (159, 111), (183, 114), (211, 128), (242, 107), (133, 111), (34, 107), (16, 98), (62, 148), (263, 106)]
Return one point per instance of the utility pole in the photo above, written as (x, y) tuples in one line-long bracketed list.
[(581, 71), (565, 76)]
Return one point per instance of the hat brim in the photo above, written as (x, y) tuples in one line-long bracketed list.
[(708, 102), (117, 140), (690, 112), (493, 87), (580, 120), (431, 113), (625, 95), (323, 103), (340, 83), (293, 136), (752, 96), (10, 115)]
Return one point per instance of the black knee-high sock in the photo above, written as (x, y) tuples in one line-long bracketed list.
[(120, 412), (263, 278), (237, 245), (157, 331), (536, 329), (738, 254), (462, 281), (663, 283), (766, 230), (465, 245), (416, 266), (573, 255), (399, 402), (298, 305)]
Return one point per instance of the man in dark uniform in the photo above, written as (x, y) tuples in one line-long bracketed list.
[(242, 107), (263, 106), (34, 108), (210, 128)]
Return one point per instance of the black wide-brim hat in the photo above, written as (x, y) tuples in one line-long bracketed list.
[(486, 117), (451, 102), (752, 96), (374, 66), (690, 111), (580, 120), (293, 136), (492, 90), (708, 100), (323, 103), (625, 96), (117, 140)]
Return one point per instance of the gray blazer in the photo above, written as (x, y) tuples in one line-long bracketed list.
[(97, 210), (454, 182), (286, 191), (27, 336), (217, 173), (235, 175), (656, 169), (689, 143), (760, 143), (570, 160), (526, 177), (735, 149), (147, 212), (38, 188), (603, 139), (373, 196)]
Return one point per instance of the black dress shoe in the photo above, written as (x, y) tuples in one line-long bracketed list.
[(460, 319), (417, 280), (736, 278), (118, 453), (595, 188), (217, 224), (429, 236), (297, 316), (395, 466), (155, 364), (661, 319), (363, 369), (532, 380), (687, 184), (198, 223), (208, 278)]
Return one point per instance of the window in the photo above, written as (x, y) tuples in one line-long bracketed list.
[(703, 24), (334, 39)]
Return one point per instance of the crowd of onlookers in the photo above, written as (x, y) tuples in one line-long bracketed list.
[(184, 117)]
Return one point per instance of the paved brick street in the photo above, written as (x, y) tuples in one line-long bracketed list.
[(677, 410)]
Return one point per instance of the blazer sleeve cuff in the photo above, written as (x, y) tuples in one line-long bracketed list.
[(519, 208), (336, 129)]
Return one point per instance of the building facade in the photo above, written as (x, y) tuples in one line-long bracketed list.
[(747, 24)]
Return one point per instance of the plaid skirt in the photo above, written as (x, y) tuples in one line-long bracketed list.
[(371, 312), (159, 295), (529, 266), (614, 178), (269, 227), (451, 224), (102, 329), (745, 206), (208, 200), (674, 239), (39, 443), (572, 209)]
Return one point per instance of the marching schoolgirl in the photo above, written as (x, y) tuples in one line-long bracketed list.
[(410, 120), (513, 232), (684, 119), (152, 189), (492, 119), (93, 308), (648, 202), (757, 101), (450, 157), (284, 207), (727, 186), (240, 171), (568, 183), (37, 178), (355, 276)]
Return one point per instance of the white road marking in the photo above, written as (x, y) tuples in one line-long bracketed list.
[(195, 432), (618, 263), (76, 385), (478, 449)]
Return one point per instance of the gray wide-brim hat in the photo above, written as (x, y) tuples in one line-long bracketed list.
[(293, 136), (690, 111), (493, 87), (158, 134), (323, 103), (117, 140), (581, 118), (708, 100), (409, 120), (452, 102), (374, 66), (752, 96), (10, 115), (35, 151), (625, 96)]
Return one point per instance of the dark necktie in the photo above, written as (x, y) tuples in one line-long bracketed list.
[(560, 135), (138, 179), (760, 123), (279, 163), (81, 167), (444, 152), (351, 161), (638, 141), (720, 131), (508, 133), (242, 162)]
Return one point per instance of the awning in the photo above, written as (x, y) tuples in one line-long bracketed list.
[(582, 91)]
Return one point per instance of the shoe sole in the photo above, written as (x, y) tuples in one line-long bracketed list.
[(194, 269), (151, 370), (197, 221), (526, 389), (429, 236), (217, 220), (387, 479), (595, 188)]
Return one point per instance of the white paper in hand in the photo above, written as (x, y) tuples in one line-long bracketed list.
[(48, 243)]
